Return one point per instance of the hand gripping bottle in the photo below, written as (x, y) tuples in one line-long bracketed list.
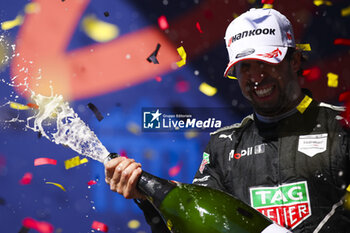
[(189, 208)]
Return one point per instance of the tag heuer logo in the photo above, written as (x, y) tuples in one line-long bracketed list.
[(288, 204)]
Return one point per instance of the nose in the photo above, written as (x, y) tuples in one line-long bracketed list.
[(257, 73)]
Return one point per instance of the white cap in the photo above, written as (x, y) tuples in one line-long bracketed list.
[(258, 34)]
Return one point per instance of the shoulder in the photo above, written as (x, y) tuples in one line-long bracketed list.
[(231, 128)]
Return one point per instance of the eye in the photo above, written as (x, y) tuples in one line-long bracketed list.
[(244, 67)]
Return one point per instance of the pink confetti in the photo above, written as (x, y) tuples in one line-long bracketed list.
[(267, 1), (341, 41), (26, 179), (158, 79), (43, 161), (99, 226), (123, 154), (163, 23), (198, 26), (182, 86), (41, 227), (174, 171), (313, 73), (91, 182)]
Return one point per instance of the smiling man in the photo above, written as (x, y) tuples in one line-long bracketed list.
[(290, 158)]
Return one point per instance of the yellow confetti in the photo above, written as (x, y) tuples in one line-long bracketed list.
[(332, 80), (268, 6), (98, 30), (183, 55), (6, 25), (191, 134), (32, 8), (345, 11), (133, 224), (73, 162), (207, 89), (84, 160), (304, 47), (304, 104), (56, 184), (18, 106), (133, 128), (231, 77), (322, 2)]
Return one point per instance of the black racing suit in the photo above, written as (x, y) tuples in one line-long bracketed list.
[(294, 171)]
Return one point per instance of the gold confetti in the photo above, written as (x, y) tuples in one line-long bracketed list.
[(183, 55), (6, 25), (191, 134), (332, 80), (268, 6), (32, 8), (133, 224), (133, 128), (304, 104), (98, 30), (18, 106), (73, 162), (56, 184), (207, 89), (322, 2), (231, 77), (304, 47), (345, 11)]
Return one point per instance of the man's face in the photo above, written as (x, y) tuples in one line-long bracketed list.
[(272, 89)]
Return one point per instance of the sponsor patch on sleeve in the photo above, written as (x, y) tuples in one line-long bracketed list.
[(205, 161)]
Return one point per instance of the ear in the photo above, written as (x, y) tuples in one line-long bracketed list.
[(296, 61)]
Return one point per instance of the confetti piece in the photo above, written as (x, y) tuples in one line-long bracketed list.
[(95, 111), (31, 105), (41, 227), (191, 134), (18, 106), (26, 179), (106, 13), (2, 201), (312, 74), (7, 25), (345, 11), (207, 89), (153, 56), (231, 77), (267, 6), (304, 104), (174, 171), (158, 79), (134, 224), (183, 55), (123, 154), (99, 226), (182, 86), (57, 184), (322, 2), (98, 30), (304, 47), (24, 230), (32, 8), (133, 128), (91, 182), (267, 1), (198, 26), (73, 162), (332, 80), (163, 22), (341, 41), (43, 161)]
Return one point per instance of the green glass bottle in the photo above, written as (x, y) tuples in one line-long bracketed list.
[(193, 208)]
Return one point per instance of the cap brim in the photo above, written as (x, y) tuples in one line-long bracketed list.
[(269, 54)]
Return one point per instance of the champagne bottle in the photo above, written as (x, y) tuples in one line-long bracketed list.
[(193, 208)]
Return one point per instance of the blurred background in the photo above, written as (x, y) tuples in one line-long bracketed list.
[(95, 52)]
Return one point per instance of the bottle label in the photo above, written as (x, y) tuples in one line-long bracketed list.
[(274, 228)]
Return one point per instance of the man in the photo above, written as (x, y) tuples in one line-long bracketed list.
[(290, 159)]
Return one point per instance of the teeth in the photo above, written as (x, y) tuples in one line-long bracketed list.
[(263, 92)]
